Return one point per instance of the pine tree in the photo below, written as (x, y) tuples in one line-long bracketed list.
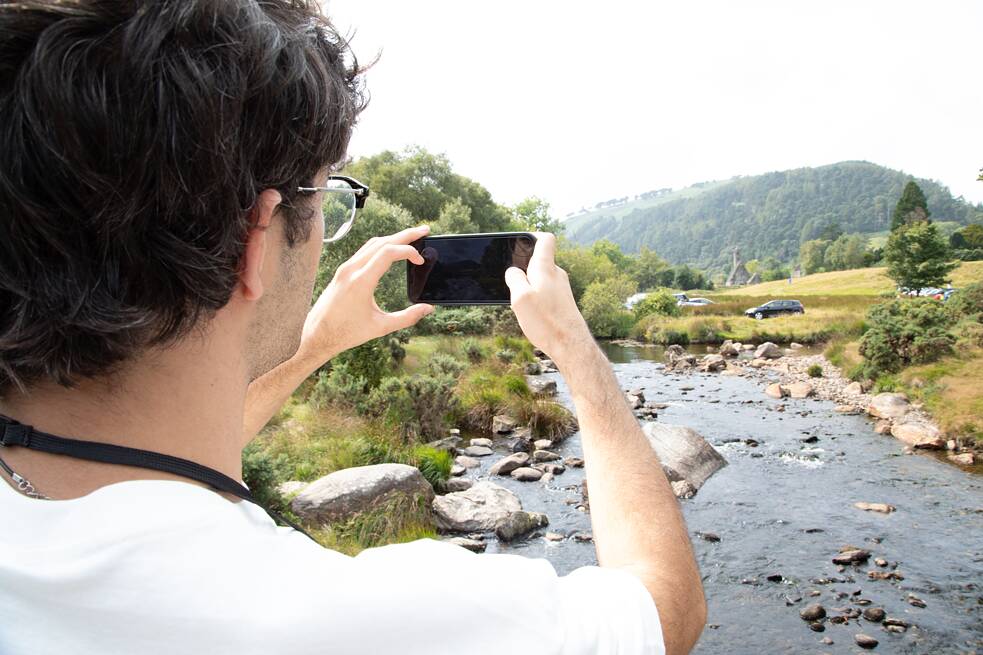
[(917, 256), (911, 207)]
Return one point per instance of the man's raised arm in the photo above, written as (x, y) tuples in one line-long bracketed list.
[(637, 523)]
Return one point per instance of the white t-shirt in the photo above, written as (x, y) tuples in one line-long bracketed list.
[(154, 566)]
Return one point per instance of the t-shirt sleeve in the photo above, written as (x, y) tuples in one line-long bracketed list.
[(514, 602)]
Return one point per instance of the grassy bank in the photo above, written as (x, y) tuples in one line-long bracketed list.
[(449, 381)]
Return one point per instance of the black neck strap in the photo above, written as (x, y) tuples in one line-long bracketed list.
[(13, 433)]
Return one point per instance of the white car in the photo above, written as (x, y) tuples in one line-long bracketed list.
[(696, 302)]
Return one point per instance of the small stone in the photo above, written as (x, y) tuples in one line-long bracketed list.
[(709, 536), (915, 601), (827, 641), (574, 462), (882, 427), (816, 626), (477, 451), (503, 424), (883, 508), (474, 545), (582, 536), (775, 391), (457, 484), (852, 556), (544, 456), (800, 390), (895, 628), (813, 612), (963, 459), (553, 536), (526, 474), (508, 464), (481, 441), (865, 641), (467, 462), (457, 469), (897, 623), (813, 593), (880, 561), (874, 614), (884, 575), (542, 444), (520, 523)]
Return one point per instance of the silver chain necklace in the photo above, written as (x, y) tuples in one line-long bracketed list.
[(23, 484)]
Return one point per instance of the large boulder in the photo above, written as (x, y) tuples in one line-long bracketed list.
[(768, 350), (713, 363), (345, 493), (684, 454), (520, 523), (729, 349), (482, 508), (776, 391), (888, 405), (918, 435), (503, 424), (508, 464), (678, 358), (800, 390)]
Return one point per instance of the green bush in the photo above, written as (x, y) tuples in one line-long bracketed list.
[(338, 386), (904, 332), (434, 464), (455, 320), (473, 350), (968, 302), (262, 472), (659, 302), (418, 405), (519, 345), (506, 356), (443, 364), (667, 336), (603, 306), (370, 361), (706, 331), (815, 371)]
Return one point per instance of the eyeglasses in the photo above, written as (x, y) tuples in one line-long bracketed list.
[(343, 196)]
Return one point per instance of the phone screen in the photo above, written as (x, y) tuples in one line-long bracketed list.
[(467, 269)]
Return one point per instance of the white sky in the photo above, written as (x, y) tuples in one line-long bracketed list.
[(580, 101)]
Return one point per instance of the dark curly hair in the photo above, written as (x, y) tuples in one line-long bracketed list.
[(135, 137)]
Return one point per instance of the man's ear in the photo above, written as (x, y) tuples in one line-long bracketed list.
[(257, 244)]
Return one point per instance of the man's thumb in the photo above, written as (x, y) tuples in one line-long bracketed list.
[(516, 280), (410, 316)]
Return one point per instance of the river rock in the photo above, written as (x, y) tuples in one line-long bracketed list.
[(345, 493), (729, 349), (965, 459), (520, 523), (457, 484), (684, 454), (865, 641), (526, 474), (813, 612), (874, 614), (503, 424), (481, 441), (457, 469), (481, 508), (918, 435), (474, 545), (508, 464), (855, 556), (758, 362), (795, 346), (683, 489), (541, 386), (467, 462), (854, 389), (713, 363), (547, 365), (477, 451), (574, 462), (290, 487), (449, 444), (544, 456), (883, 508), (678, 358), (883, 427), (768, 350), (775, 391), (800, 390), (888, 405), (542, 444), (553, 468)]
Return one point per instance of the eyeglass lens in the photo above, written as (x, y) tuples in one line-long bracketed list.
[(339, 208)]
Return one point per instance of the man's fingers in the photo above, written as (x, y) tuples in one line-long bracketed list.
[(544, 254), (372, 246), (407, 317), (387, 255), (517, 282)]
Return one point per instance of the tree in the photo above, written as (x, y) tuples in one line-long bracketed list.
[(659, 302), (911, 207), (812, 255), (583, 267), (649, 269), (846, 252), (533, 215), (455, 218), (613, 253), (917, 256), (970, 236), (603, 306), (831, 232)]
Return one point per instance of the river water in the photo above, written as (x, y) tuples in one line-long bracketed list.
[(785, 508)]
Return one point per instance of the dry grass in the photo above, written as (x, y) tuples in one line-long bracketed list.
[(861, 281), (952, 390)]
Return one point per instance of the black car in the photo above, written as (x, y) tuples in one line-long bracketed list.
[(775, 308)]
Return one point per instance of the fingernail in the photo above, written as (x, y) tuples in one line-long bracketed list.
[(425, 227)]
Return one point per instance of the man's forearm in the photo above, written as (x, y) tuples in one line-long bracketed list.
[(636, 518), (267, 393)]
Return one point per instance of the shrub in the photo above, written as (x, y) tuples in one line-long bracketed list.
[(516, 385), (668, 336), (548, 419), (434, 464), (473, 350), (417, 405), (659, 302), (968, 302), (442, 364), (370, 361), (457, 320), (904, 332), (815, 371), (603, 306), (506, 356), (706, 331), (338, 386), (519, 345), (261, 472)]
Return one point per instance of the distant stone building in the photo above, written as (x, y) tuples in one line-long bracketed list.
[(755, 278), (739, 274)]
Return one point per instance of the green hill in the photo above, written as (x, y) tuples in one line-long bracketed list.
[(764, 215)]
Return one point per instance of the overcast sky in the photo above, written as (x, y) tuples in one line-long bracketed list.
[(579, 102)]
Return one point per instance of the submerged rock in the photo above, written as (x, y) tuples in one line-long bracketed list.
[(684, 454), (520, 523), (883, 508), (345, 493), (526, 474), (481, 508)]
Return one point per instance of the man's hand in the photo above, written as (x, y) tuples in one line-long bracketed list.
[(544, 305), (346, 315)]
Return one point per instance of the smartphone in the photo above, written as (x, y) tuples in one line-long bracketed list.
[(467, 269)]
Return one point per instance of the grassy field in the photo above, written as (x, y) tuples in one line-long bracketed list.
[(861, 281)]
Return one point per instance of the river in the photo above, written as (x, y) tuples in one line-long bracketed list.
[(784, 508)]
